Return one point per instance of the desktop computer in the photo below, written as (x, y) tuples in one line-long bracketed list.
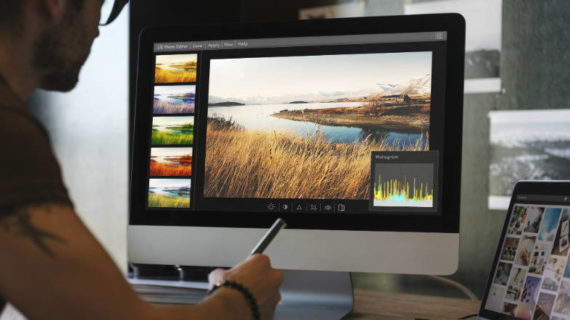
[(348, 129)]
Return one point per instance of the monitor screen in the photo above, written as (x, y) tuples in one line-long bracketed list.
[(303, 125)]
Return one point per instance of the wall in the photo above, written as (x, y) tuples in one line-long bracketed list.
[(89, 132)]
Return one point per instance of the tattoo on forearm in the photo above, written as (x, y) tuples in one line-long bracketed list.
[(20, 221)]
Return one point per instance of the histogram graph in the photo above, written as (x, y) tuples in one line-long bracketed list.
[(408, 192)]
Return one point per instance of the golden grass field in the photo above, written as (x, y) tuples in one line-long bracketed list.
[(174, 76), (169, 169), (166, 107), (257, 164), (164, 201)]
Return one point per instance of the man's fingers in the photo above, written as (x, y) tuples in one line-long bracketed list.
[(262, 260), (278, 276), (215, 277)]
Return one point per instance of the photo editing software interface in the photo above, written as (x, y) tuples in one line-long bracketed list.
[(532, 275), (330, 124)]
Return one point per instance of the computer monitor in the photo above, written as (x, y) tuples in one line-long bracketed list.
[(349, 129)]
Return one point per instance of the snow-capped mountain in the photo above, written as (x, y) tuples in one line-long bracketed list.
[(414, 86), (386, 87), (420, 85)]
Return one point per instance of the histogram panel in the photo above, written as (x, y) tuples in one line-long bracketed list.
[(403, 184)]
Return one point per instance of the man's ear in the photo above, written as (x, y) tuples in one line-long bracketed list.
[(53, 9)]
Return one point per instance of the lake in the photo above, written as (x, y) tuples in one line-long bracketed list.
[(258, 117), (172, 124), (182, 192), (173, 99)]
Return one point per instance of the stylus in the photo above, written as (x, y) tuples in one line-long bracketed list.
[(269, 236)]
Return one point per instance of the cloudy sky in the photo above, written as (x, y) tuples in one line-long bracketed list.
[(174, 90), (175, 58), (159, 154), (284, 76), (169, 183), (163, 122)]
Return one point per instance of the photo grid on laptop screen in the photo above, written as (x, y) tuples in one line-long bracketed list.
[(532, 277)]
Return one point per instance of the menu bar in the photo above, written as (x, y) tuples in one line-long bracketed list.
[(543, 198), (300, 41)]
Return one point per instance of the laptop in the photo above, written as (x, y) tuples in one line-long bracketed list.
[(530, 278)]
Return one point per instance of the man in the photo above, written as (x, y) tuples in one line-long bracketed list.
[(51, 267)]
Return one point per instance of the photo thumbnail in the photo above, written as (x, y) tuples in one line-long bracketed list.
[(517, 221), (553, 273), (510, 249), (549, 225), (175, 68), (539, 259), (170, 162), (510, 309), (299, 117), (174, 99), (526, 245), (562, 304), (562, 241), (169, 193), (533, 220), (502, 274), (529, 298), (544, 306), (515, 284), (567, 271), (172, 131), (495, 300)]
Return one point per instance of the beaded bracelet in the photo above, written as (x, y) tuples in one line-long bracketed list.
[(246, 293)]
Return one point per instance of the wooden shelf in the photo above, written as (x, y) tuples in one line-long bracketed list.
[(379, 305)]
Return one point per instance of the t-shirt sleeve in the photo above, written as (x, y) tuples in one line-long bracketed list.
[(29, 171)]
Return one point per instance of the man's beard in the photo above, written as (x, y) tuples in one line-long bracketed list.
[(59, 54)]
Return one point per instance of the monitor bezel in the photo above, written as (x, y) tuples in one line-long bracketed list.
[(447, 222), (526, 188)]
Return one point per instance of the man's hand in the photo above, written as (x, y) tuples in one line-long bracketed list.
[(51, 267), (257, 275)]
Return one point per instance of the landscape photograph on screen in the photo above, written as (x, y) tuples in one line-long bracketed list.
[(174, 99), (176, 68), (170, 162), (172, 130), (304, 127), (169, 193)]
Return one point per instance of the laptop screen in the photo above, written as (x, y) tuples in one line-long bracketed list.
[(531, 278)]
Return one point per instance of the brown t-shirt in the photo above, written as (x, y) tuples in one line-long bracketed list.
[(29, 172)]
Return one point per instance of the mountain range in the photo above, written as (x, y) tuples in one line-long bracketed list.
[(421, 85)]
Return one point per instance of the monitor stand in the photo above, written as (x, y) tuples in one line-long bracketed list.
[(314, 295)]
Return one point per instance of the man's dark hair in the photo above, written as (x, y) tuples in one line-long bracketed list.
[(11, 11)]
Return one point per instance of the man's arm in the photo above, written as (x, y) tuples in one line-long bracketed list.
[(51, 267)]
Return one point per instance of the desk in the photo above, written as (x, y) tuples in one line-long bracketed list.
[(378, 305), (368, 304)]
